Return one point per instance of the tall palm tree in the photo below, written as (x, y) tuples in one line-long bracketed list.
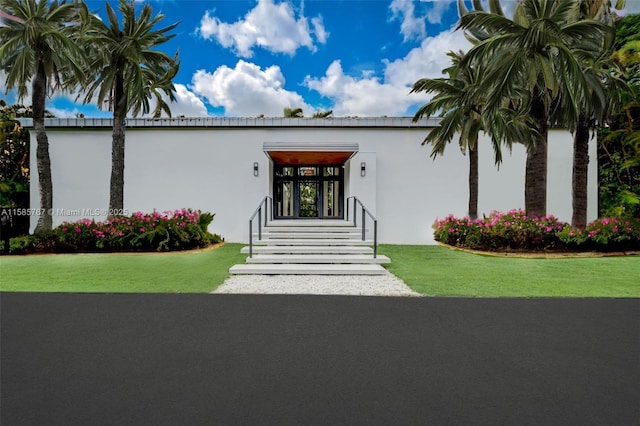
[(460, 104), (128, 72), (605, 88), (40, 45), (460, 109), (535, 57)]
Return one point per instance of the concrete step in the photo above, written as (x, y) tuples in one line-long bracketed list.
[(310, 235), (311, 247), (305, 223), (313, 242), (306, 269), (319, 258), (300, 249), (311, 229)]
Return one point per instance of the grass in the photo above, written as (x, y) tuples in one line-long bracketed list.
[(435, 270), (177, 272), (430, 270)]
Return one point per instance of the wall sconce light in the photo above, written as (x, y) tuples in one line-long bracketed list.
[(255, 168), (363, 169)]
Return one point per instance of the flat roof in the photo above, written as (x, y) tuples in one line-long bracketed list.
[(239, 122)]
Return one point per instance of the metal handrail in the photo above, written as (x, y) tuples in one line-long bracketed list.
[(258, 212), (356, 201)]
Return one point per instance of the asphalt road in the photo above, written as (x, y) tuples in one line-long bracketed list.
[(118, 359)]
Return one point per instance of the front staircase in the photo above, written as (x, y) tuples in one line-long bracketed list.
[(311, 247)]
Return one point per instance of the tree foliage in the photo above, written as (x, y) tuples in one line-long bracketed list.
[(456, 100), (293, 113), (128, 72), (14, 160), (323, 114), (531, 73), (619, 144), (40, 44)]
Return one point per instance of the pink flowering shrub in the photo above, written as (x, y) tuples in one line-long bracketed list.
[(605, 234), (172, 230), (515, 230)]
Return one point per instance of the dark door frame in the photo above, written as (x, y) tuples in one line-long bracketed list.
[(296, 179)]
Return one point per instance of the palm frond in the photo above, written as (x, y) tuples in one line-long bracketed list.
[(489, 23)]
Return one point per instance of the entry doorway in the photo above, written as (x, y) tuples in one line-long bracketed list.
[(308, 192)]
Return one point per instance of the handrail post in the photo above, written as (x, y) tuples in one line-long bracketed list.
[(348, 208), (355, 216), (266, 210), (257, 214), (375, 238), (260, 223), (363, 224), (250, 237)]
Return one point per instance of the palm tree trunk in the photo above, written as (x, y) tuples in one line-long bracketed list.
[(116, 196), (535, 191), (580, 169), (473, 181), (45, 221)]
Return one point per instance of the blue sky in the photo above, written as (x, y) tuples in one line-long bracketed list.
[(246, 58)]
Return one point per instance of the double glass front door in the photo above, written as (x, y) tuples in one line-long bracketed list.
[(308, 191)]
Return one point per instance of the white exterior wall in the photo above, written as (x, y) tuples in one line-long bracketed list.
[(211, 169)]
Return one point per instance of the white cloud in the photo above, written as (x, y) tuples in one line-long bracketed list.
[(411, 26), (434, 14), (247, 90), (187, 103), (426, 61), (359, 96), (366, 95), (63, 113), (508, 6), (274, 27), (318, 29)]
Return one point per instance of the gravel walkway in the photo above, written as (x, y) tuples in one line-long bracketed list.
[(359, 285)]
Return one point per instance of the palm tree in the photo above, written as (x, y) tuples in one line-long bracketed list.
[(460, 104), (40, 44), (535, 57), (293, 113), (454, 101), (128, 73), (323, 114), (605, 90)]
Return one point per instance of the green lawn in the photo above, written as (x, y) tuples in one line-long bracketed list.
[(186, 272), (435, 270), (431, 270)]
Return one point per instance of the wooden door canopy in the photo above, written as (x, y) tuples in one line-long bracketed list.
[(326, 154), (325, 158)]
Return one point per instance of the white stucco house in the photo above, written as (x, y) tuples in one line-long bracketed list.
[(308, 166)]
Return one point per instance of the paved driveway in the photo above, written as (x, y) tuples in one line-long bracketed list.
[(115, 359)]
